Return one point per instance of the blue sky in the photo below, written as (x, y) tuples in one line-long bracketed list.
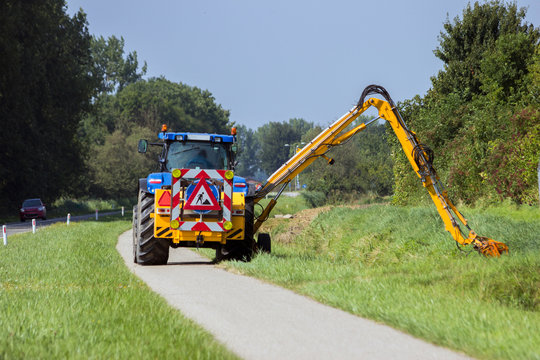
[(276, 60)]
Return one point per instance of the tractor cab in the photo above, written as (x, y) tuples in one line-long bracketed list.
[(197, 155), (185, 150)]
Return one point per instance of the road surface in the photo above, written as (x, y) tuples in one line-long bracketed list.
[(257, 320)]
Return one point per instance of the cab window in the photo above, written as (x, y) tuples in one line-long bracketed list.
[(196, 155)]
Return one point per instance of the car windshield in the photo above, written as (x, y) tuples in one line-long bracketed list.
[(196, 155), (31, 203)]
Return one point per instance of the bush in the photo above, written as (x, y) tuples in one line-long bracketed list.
[(314, 198), (77, 206)]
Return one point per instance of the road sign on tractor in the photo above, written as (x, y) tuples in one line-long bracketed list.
[(202, 197)]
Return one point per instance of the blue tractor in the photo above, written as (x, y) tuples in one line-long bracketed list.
[(195, 200)]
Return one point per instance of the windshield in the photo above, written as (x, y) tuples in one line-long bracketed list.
[(196, 155), (32, 203)]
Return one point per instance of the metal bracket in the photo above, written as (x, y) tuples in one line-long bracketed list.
[(200, 240)]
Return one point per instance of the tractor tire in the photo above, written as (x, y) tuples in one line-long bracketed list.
[(264, 243), (240, 250), (134, 231), (251, 190), (149, 250)]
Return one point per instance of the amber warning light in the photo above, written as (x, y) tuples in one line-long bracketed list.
[(163, 127), (233, 131)]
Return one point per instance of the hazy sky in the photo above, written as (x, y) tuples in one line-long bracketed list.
[(276, 60)]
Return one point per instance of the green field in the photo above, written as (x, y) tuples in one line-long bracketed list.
[(65, 293), (398, 266)]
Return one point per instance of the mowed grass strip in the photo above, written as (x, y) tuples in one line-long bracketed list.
[(65, 293), (398, 266)]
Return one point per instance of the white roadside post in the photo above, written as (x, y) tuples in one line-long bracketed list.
[(4, 234), (96, 214), (122, 211), (68, 218), (33, 226)]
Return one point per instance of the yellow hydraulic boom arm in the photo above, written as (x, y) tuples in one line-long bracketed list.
[(419, 155)]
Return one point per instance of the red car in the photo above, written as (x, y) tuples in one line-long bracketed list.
[(32, 209)]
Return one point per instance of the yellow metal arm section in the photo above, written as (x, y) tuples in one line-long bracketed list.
[(419, 157), (328, 138), (430, 180), (309, 153)]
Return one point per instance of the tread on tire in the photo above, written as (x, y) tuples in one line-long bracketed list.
[(148, 250)]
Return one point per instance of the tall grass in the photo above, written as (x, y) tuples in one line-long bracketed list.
[(285, 205), (397, 266), (66, 293)]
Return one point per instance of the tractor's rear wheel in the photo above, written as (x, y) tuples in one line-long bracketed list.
[(241, 250), (148, 250), (264, 243), (134, 231)]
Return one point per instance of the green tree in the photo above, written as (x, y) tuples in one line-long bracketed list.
[(512, 161), (276, 140), (138, 111), (45, 87), (464, 42), (116, 70), (504, 68), (487, 81), (115, 166), (361, 166), (248, 147), (150, 103)]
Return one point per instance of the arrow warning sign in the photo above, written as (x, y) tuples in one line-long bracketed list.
[(202, 198)]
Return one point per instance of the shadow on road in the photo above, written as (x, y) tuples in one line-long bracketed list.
[(209, 262)]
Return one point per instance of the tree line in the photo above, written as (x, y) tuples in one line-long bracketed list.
[(481, 115), (73, 107), (46, 85), (361, 166)]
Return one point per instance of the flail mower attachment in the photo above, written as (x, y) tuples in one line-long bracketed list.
[(489, 247)]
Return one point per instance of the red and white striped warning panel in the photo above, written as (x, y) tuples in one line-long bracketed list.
[(201, 199)]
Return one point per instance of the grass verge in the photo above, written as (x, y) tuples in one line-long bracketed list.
[(397, 266), (65, 292), (285, 205)]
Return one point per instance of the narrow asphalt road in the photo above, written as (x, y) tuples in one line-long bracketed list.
[(257, 320)]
